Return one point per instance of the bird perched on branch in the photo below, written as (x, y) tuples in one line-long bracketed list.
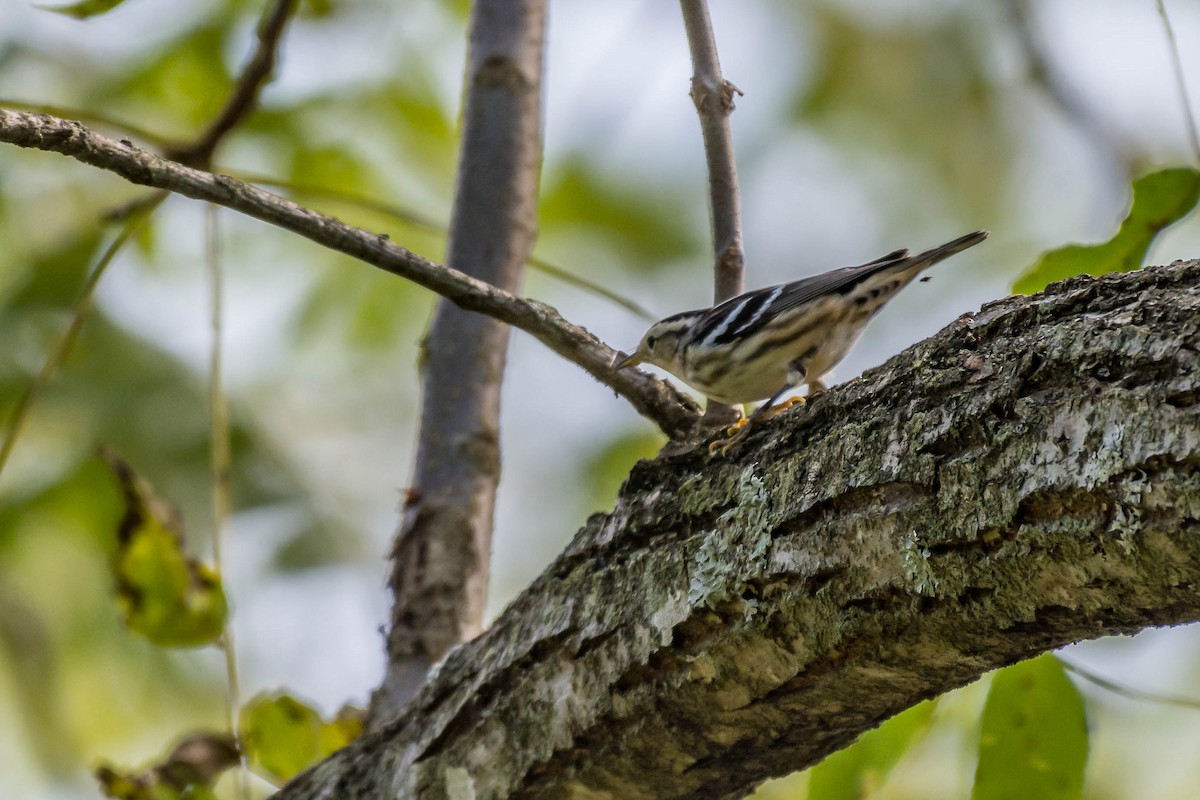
[(768, 342)]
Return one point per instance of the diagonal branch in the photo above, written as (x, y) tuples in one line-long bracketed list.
[(244, 98), (657, 400), (1024, 479)]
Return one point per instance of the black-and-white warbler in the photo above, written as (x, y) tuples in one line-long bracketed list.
[(766, 343)]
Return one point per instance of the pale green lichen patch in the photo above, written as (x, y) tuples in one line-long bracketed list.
[(1126, 521), (919, 572), (720, 555)]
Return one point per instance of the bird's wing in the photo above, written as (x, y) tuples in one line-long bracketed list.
[(744, 314)]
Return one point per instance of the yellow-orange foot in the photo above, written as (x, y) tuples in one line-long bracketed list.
[(784, 406), (733, 434)]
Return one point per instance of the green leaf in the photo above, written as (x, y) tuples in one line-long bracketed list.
[(84, 8), (1160, 199), (1034, 739), (852, 773), (167, 596), (283, 736)]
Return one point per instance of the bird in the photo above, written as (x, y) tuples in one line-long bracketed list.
[(768, 342)]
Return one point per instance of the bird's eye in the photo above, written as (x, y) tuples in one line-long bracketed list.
[(650, 340)]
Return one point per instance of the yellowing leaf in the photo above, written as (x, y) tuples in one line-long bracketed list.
[(1034, 738), (1160, 199), (167, 596), (283, 736), (84, 8), (188, 771)]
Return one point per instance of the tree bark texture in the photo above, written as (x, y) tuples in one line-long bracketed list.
[(441, 556), (1027, 478)]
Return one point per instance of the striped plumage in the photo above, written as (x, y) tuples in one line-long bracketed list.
[(767, 342)]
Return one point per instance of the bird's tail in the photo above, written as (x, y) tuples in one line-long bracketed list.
[(930, 257)]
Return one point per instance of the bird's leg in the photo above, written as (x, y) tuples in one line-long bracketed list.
[(736, 433), (797, 375)]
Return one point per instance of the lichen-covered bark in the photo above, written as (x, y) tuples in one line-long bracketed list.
[(1027, 478)]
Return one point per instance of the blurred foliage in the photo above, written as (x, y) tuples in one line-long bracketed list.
[(641, 225), (196, 60), (1034, 739), (923, 93), (1160, 199), (604, 473), (189, 771), (283, 736), (858, 770)]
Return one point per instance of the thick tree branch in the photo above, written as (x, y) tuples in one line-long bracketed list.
[(653, 398), (443, 550), (1026, 478)]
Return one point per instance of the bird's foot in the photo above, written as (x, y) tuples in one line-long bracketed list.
[(772, 413), (734, 434)]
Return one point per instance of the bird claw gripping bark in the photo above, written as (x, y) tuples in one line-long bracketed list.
[(736, 433)]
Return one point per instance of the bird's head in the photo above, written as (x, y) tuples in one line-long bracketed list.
[(663, 343)]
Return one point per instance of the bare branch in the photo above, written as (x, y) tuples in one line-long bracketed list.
[(422, 222), (657, 400), (713, 97), (1026, 478)]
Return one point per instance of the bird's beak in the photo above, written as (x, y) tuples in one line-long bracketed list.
[(629, 361)]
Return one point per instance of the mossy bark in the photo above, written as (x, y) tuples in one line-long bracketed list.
[(1027, 478)]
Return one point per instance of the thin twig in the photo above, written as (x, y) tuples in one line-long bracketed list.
[(1181, 82), (421, 222), (244, 98), (1129, 691), (83, 308), (651, 397), (713, 97), (219, 436)]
